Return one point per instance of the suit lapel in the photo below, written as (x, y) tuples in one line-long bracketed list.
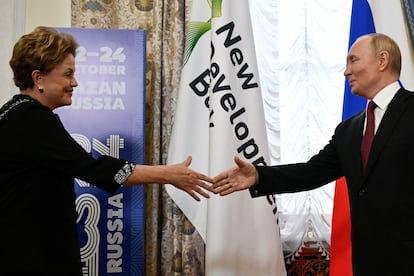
[(391, 116), (355, 149)]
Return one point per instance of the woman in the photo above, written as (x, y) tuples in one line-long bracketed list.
[(39, 161)]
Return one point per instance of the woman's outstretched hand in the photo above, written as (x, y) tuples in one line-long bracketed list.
[(190, 181)]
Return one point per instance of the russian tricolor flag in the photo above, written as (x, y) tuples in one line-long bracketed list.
[(366, 17)]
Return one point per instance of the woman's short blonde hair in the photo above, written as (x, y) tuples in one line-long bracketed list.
[(42, 50)]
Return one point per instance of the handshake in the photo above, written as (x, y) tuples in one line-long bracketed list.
[(240, 177)]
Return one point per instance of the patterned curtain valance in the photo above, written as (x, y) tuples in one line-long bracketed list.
[(408, 7)]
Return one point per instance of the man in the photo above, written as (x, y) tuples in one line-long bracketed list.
[(381, 193)]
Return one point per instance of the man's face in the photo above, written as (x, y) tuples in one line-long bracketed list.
[(362, 69)]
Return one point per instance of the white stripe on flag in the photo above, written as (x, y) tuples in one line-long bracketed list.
[(389, 19), (213, 125)]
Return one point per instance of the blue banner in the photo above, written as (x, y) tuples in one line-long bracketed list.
[(107, 118)]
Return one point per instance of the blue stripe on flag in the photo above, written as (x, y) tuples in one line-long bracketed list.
[(362, 23)]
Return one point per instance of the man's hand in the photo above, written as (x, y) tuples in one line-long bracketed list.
[(238, 178)]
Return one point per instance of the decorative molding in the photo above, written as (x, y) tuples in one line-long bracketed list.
[(408, 7)]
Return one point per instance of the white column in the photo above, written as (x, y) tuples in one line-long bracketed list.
[(12, 22)]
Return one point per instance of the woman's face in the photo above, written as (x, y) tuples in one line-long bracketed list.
[(58, 84)]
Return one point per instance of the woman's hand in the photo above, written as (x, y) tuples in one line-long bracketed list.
[(190, 181)]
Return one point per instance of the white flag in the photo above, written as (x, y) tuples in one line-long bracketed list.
[(219, 115)]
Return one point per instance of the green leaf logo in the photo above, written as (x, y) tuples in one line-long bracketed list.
[(197, 28)]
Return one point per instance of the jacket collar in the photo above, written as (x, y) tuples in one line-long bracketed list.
[(391, 116)]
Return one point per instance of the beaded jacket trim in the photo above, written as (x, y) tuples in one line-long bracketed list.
[(124, 173), (12, 104)]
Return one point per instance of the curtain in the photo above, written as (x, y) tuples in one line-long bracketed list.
[(302, 47), (172, 245)]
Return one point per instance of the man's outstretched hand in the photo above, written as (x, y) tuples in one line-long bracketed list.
[(240, 177)]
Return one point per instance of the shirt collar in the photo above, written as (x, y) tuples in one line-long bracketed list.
[(384, 97)]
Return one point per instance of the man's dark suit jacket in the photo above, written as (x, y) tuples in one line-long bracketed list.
[(381, 201)]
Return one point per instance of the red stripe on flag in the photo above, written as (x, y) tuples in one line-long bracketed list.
[(341, 249)]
